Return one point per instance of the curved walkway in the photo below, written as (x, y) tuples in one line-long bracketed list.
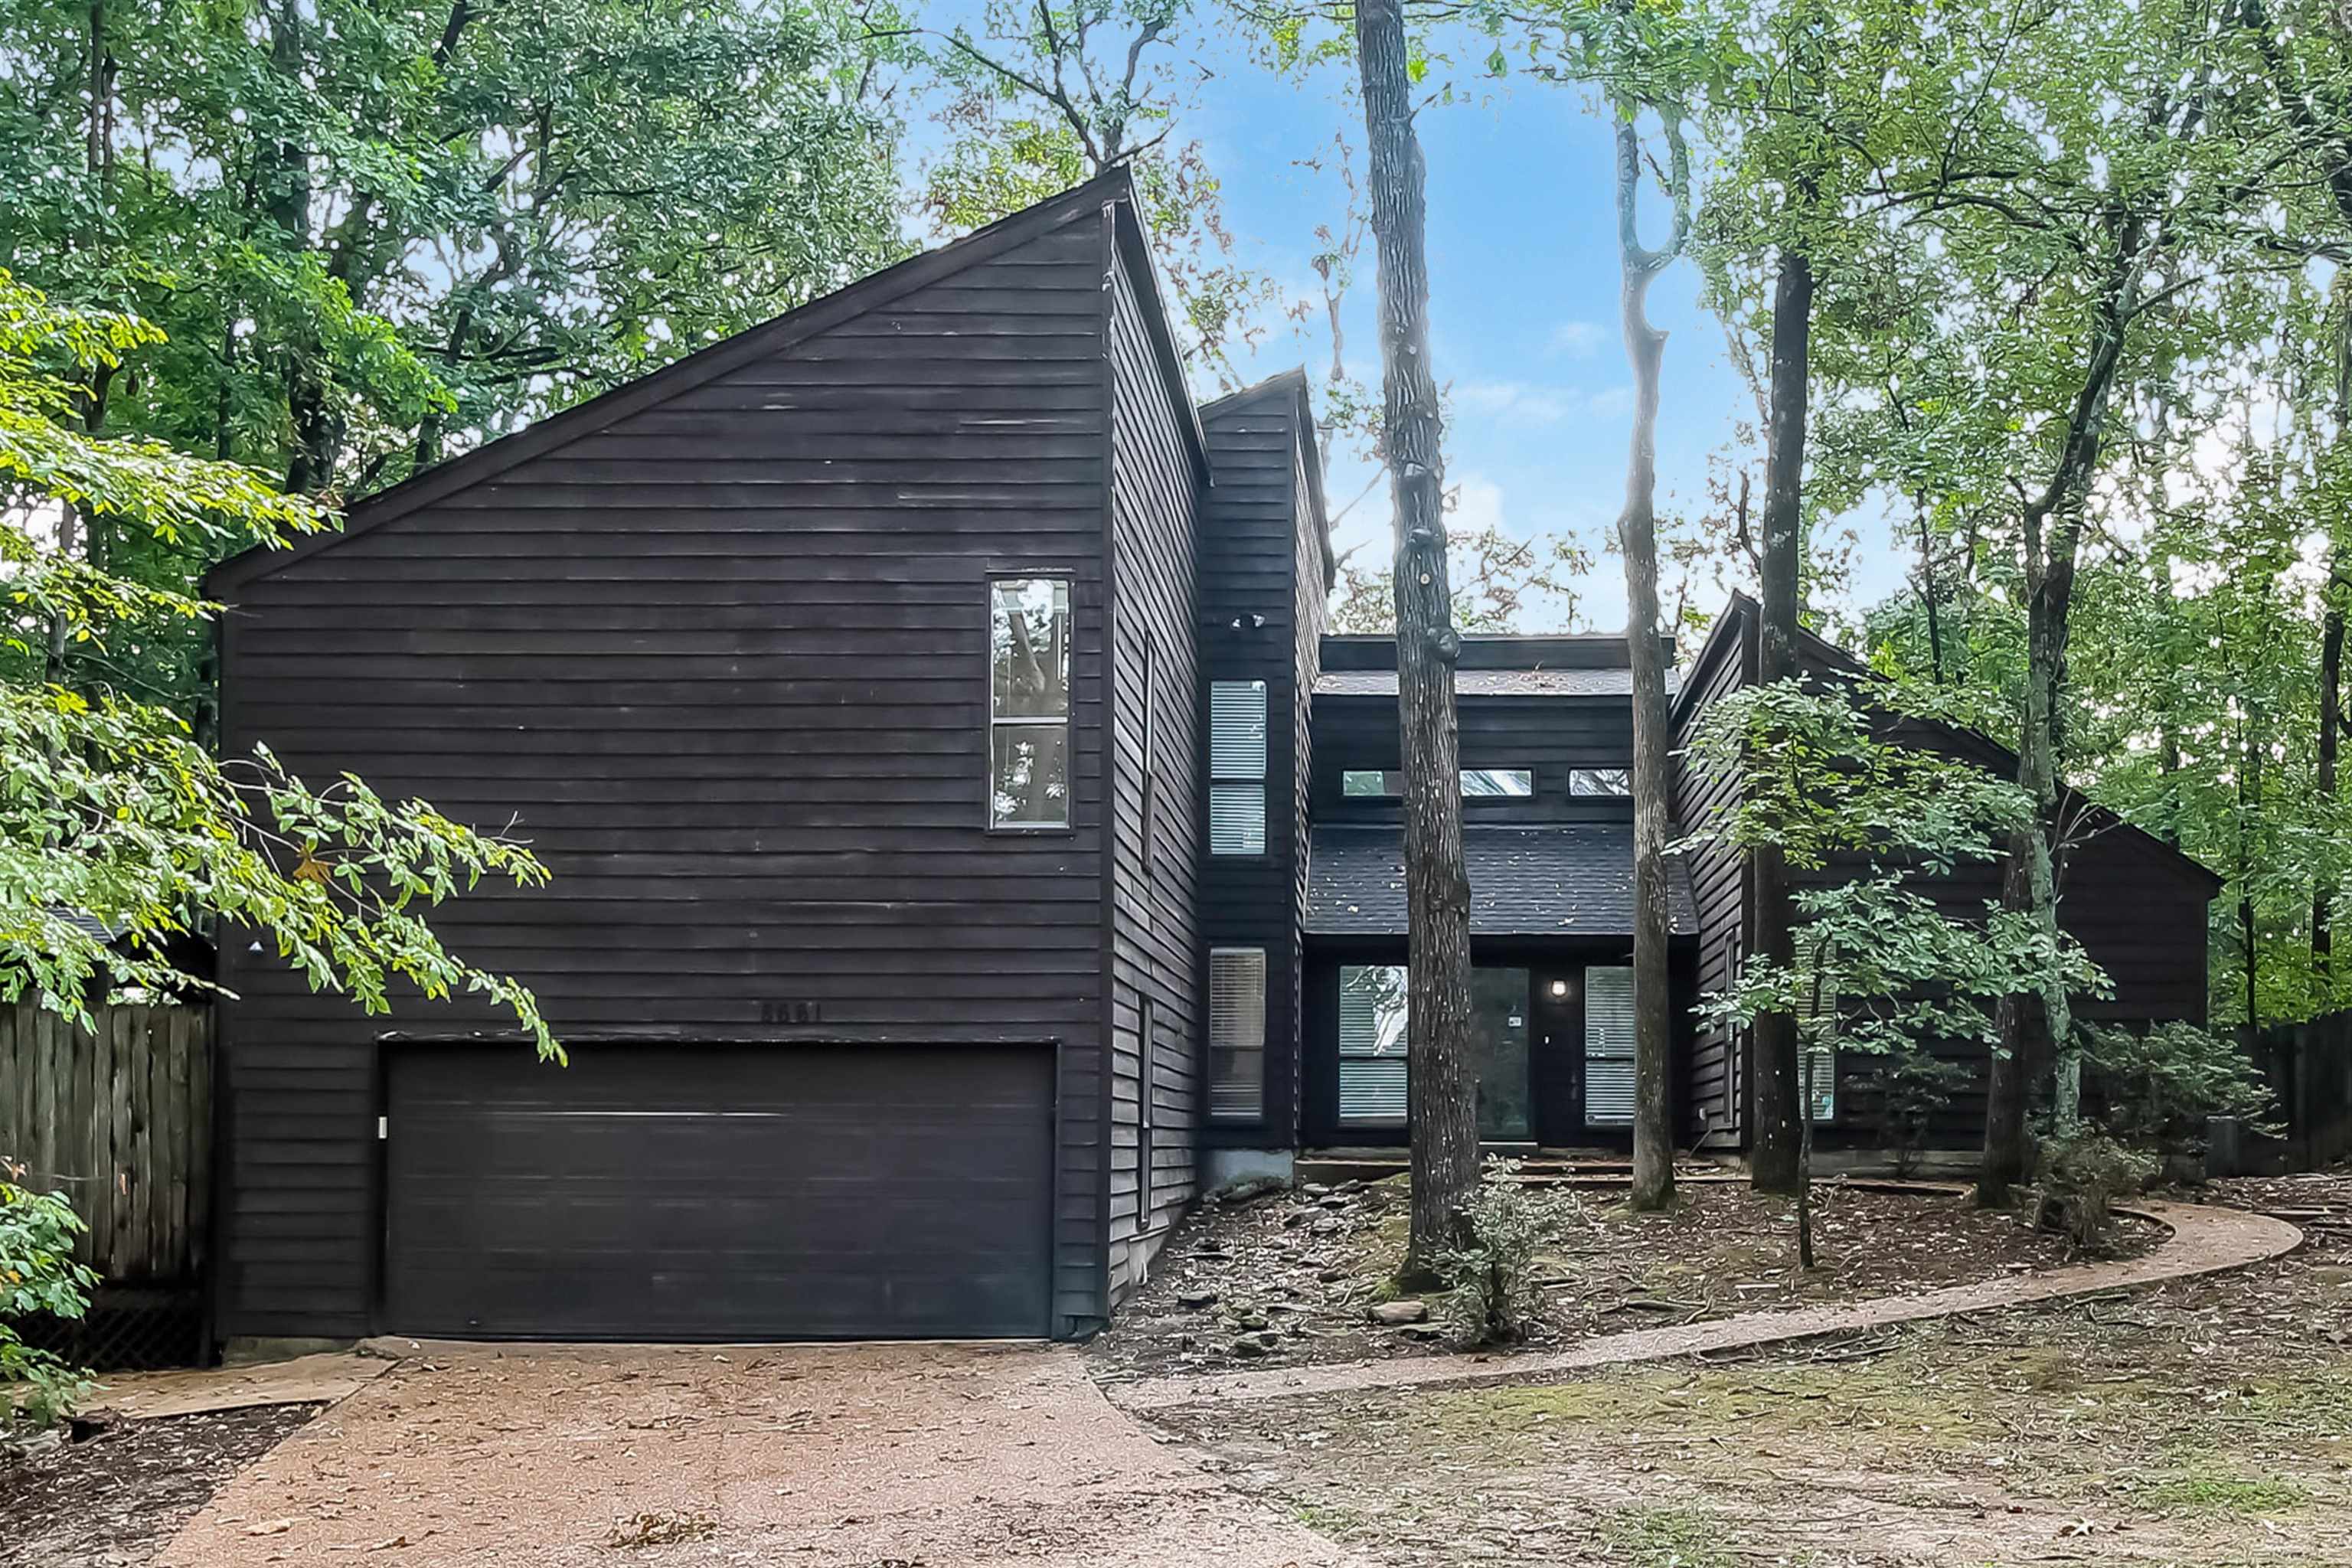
[(2205, 1240)]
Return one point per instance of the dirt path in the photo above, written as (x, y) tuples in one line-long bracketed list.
[(546, 1457), (2204, 1240)]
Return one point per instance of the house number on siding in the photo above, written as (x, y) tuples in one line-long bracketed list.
[(790, 1013)]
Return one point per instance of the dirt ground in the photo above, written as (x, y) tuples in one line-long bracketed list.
[(111, 1501), (836, 1457), (2207, 1422), (1291, 1277)]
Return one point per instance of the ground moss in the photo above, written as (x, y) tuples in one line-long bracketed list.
[(2212, 1493), (1669, 1538)]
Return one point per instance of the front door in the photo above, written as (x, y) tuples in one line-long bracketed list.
[(1498, 1035)]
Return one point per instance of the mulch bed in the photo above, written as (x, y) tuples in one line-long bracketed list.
[(115, 1498), (1294, 1277)]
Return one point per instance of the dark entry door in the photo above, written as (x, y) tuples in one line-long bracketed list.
[(680, 1192)]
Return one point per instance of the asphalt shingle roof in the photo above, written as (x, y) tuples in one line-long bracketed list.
[(1524, 881)]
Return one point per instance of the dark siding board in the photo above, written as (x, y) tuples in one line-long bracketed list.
[(1155, 859), (787, 805), (1549, 734), (1714, 1107), (1255, 516)]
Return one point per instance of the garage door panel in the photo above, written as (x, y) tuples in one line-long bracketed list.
[(678, 1191)]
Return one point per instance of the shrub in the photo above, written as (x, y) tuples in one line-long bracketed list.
[(2082, 1177), (37, 1274), (1912, 1086), (1491, 1296), (2159, 1087)]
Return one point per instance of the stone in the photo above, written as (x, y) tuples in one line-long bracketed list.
[(1327, 1225), (1251, 1320), (1196, 1298), (1395, 1314), (1331, 1276), (1424, 1332), (1247, 1348), (1316, 1190), (2332, 1274), (1334, 1202)]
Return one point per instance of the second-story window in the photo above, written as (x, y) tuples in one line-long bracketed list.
[(1237, 767), (1604, 782), (1029, 703)]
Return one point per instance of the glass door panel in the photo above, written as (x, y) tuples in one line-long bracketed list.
[(1498, 1047)]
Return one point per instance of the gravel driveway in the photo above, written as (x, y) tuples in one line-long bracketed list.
[(867, 1455)]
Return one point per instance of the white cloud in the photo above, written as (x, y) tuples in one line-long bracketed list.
[(1578, 339), (1528, 402)]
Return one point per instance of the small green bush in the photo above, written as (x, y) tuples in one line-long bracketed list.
[(37, 1274), (2082, 1177), (2157, 1086), (1491, 1297)]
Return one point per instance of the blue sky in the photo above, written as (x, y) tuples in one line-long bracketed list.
[(1523, 307)]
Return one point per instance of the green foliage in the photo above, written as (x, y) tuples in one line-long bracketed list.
[(1828, 781), (1912, 1086), (2158, 1086), (37, 1274), (2083, 1176), (111, 814), (1491, 1297)]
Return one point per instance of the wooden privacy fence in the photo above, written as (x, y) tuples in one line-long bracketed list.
[(119, 1119)]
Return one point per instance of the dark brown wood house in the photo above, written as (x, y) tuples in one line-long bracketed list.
[(966, 844)]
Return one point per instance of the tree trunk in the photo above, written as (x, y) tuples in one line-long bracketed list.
[(1637, 538), (1441, 1095), (1776, 1153)]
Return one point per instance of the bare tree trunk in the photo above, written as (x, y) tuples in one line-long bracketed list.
[(1776, 1156), (1637, 538), (1441, 1093)]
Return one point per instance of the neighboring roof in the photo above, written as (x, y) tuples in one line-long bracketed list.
[(1733, 629), (1112, 189), (1524, 881), (1292, 384), (1491, 682)]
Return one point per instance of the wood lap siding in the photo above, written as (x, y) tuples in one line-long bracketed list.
[(1714, 1097), (723, 663), (1549, 734), (1255, 542), (1154, 489)]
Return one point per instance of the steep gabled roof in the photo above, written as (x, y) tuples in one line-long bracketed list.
[(1111, 190), (1736, 625), (1292, 385)]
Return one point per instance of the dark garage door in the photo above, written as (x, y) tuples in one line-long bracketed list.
[(670, 1192)]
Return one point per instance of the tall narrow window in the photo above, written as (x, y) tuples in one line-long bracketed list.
[(1609, 1046), (1150, 767), (1237, 767), (1372, 1017), (1817, 1048), (1237, 1032), (1029, 703)]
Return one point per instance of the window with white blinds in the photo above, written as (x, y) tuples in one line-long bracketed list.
[(1609, 1046), (1237, 767), (1372, 1043), (1820, 1082), (1816, 1059), (1237, 1032)]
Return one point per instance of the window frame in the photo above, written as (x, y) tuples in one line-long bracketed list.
[(1069, 826), (1147, 1090), (1210, 1114), (1586, 772), (1396, 792), (1340, 1057), (1263, 781)]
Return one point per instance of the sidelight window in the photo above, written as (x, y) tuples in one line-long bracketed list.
[(1372, 1043), (1029, 703)]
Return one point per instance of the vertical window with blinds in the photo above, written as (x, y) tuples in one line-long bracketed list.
[(1147, 1094), (1372, 1018), (1236, 1034), (1816, 1036), (1237, 767), (1609, 1046)]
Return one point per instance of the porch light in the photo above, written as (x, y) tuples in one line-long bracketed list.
[(1559, 987)]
